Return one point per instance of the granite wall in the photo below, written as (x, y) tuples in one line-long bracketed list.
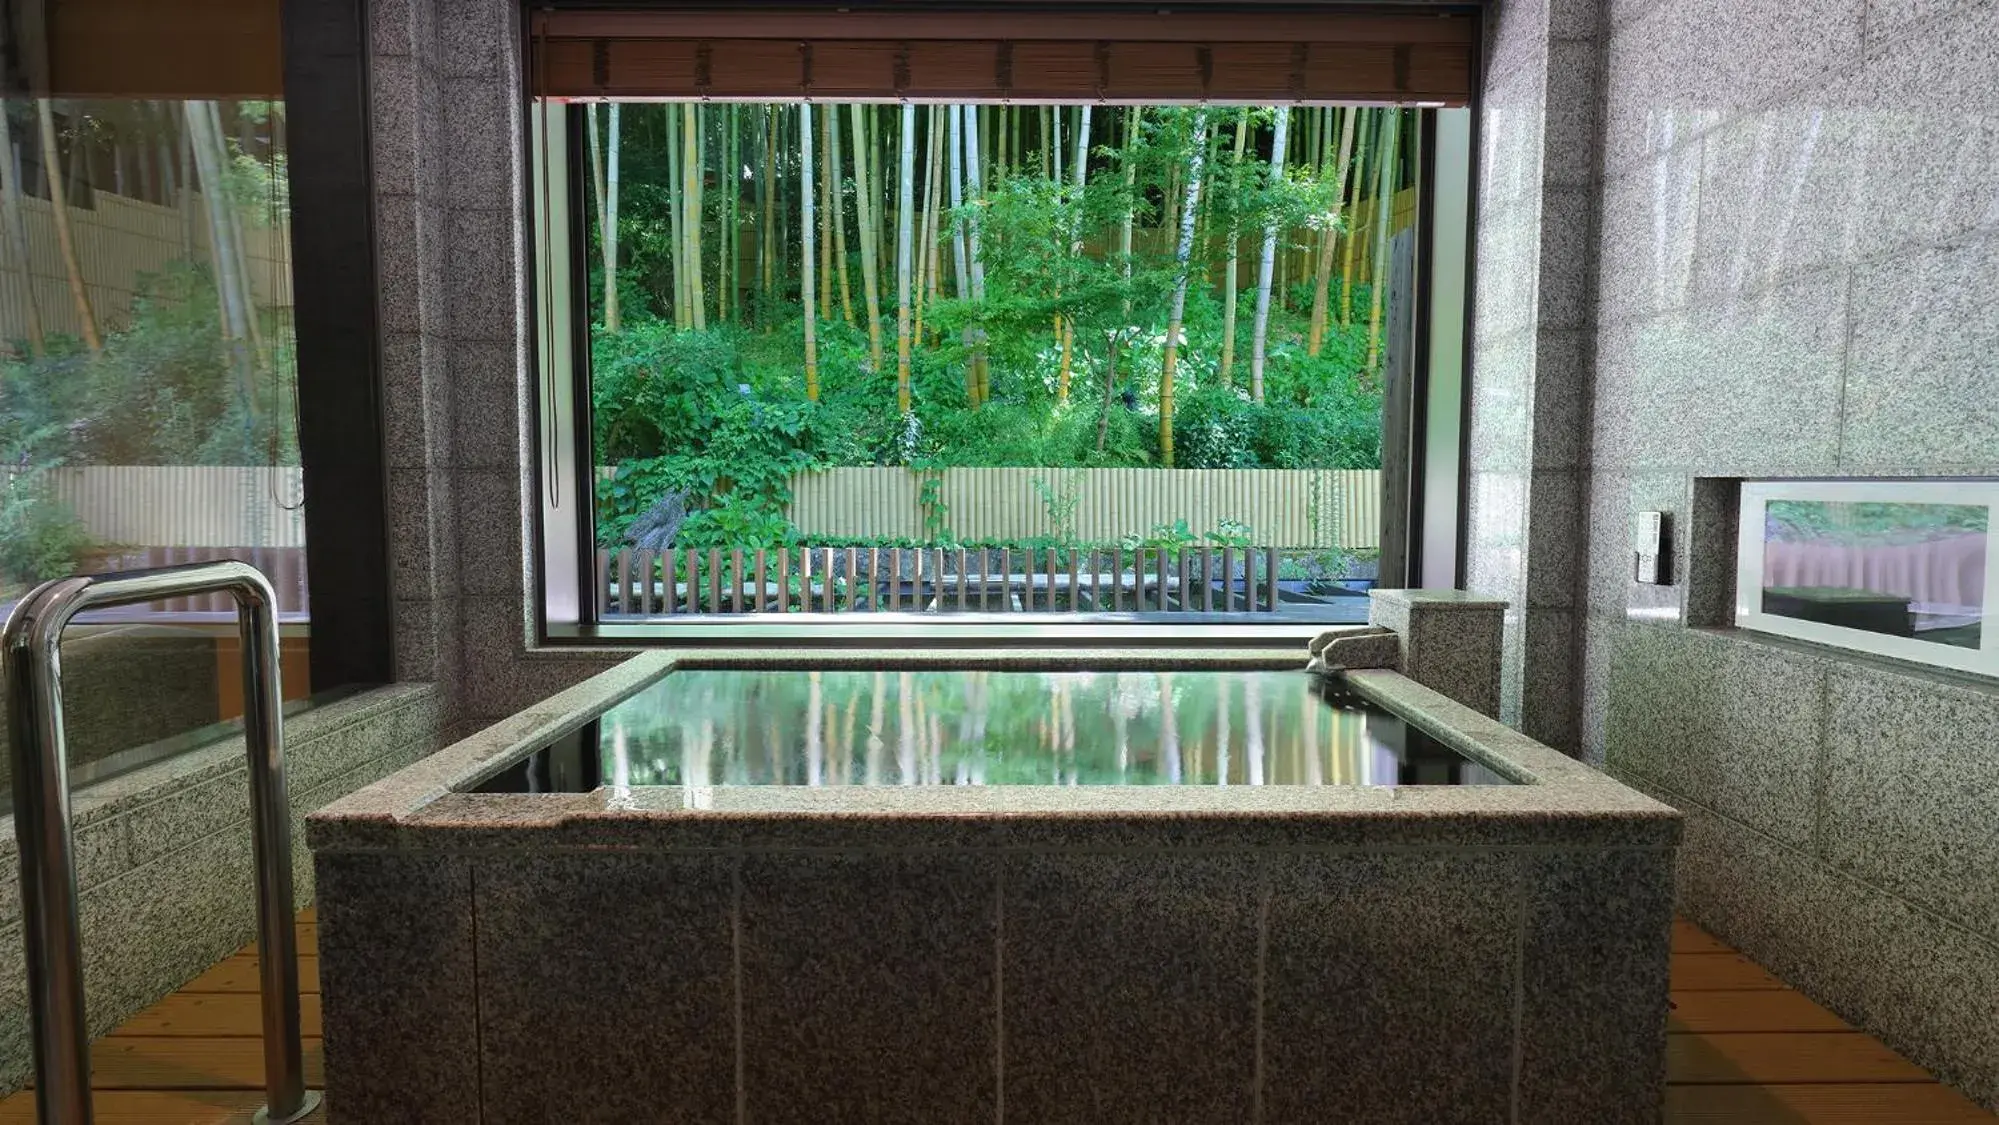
[(128, 686), (1790, 236), (448, 131), (164, 873)]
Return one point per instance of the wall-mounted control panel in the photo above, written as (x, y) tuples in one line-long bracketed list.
[(1652, 549)]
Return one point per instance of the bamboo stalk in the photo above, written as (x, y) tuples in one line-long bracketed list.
[(839, 190), (808, 232), (864, 206)]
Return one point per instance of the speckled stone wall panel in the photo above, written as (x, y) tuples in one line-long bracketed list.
[(1551, 691), (1681, 66), (1912, 790), (1555, 530), (870, 988), (1113, 962), (1736, 721), (450, 195), (1922, 381), (1594, 965), (126, 687), (396, 958), (1380, 955), (605, 987), (1767, 397)]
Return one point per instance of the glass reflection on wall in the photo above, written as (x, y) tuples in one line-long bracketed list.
[(708, 728), (148, 394), (1898, 569)]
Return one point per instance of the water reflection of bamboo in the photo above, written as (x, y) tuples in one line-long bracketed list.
[(905, 729), (1222, 734), (1315, 773), (1169, 729), (876, 717), (815, 747), (1252, 693), (849, 750)]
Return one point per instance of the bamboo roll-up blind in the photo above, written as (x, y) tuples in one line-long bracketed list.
[(1399, 58), (163, 49)]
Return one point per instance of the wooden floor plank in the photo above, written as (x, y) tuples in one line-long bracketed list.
[(239, 974), (1780, 1057), (214, 1014), (1863, 1103), (1749, 1010), (310, 915), (308, 941), (1689, 938), (154, 1107), (1694, 971), (188, 1064)]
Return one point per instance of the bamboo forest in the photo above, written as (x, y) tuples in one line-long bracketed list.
[(778, 290)]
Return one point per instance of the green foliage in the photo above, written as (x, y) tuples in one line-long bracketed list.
[(1869, 522), (40, 538), (165, 391)]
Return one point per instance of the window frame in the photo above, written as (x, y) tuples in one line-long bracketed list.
[(566, 609)]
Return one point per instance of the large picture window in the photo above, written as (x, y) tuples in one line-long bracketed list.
[(1116, 359)]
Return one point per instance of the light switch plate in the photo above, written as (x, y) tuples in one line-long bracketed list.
[(1652, 549)]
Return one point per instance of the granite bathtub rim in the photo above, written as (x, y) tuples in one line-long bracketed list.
[(1560, 802)]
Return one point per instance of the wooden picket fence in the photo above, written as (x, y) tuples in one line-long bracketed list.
[(714, 580)]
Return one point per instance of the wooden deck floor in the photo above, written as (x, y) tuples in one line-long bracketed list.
[(1743, 1050)]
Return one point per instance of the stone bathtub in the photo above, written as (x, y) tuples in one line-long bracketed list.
[(1078, 922)]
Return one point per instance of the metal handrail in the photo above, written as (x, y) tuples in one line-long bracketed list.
[(31, 648)]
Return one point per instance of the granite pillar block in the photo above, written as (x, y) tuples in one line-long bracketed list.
[(1381, 965), (1130, 988), (870, 988), (606, 986), (1450, 641), (1593, 966), (396, 960)]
